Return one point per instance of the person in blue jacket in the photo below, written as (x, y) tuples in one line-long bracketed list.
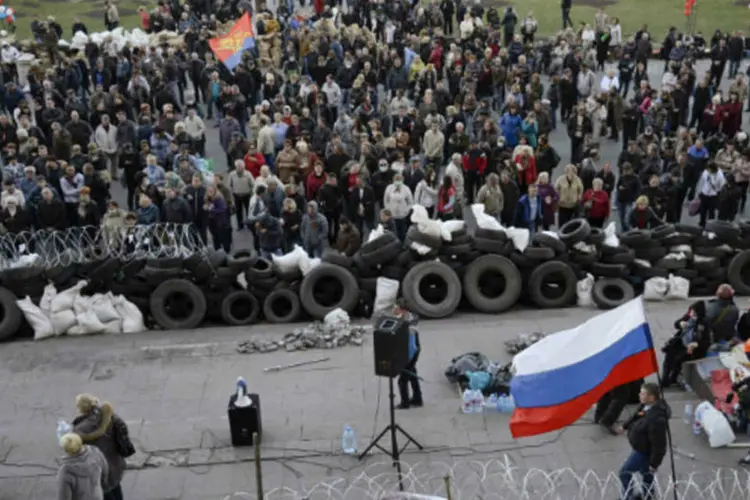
[(530, 210), (510, 126), (409, 373)]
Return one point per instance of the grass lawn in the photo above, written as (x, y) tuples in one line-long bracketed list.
[(658, 14)]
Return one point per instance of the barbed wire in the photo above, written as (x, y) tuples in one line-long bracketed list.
[(79, 245), (501, 480)]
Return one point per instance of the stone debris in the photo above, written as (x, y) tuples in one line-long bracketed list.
[(317, 335), (522, 342)]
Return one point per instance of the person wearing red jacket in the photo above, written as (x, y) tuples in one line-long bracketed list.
[(446, 199), (254, 160), (731, 116), (474, 164), (436, 57), (315, 181), (596, 204), (526, 168)]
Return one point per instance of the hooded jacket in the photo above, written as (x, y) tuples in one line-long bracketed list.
[(647, 431), (80, 477), (97, 429)]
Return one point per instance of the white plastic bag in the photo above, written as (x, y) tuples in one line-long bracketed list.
[(337, 317), (610, 235), (655, 288), (132, 317), (46, 303), (65, 300), (376, 233), (715, 424), (289, 262), (386, 294), (420, 248), (485, 221), (519, 236), (37, 319), (583, 290), (88, 322), (453, 226), (102, 306), (679, 288), (308, 265), (63, 321), (584, 248)]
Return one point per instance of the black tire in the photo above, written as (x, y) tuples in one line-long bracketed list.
[(261, 269), (649, 272), (492, 284), (672, 264), (706, 242), (331, 256), (675, 239), (609, 293), (382, 255), (456, 250), (552, 284), (491, 234), (540, 254), (717, 252), (413, 234), (328, 287), (459, 240), (156, 276), (282, 306), (217, 258), (130, 269), (739, 273), (583, 258), (575, 231), (688, 274), (432, 289), (650, 253), (521, 261), (608, 250), (600, 269), (247, 252), (289, 275), (489, 246), (549, 241), (635, 238), (240, 308), (61, 274), (725, 230), (662, 232), (379, 242), (393, 272), (164, 263), (368, 284), (192, 262), (718, 274), (626, 257), (11, 317), (178, 305), (596, 237), (241, 264), (705, 265), (688, 229)]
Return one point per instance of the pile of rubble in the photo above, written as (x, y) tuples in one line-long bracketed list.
[(522, 342)]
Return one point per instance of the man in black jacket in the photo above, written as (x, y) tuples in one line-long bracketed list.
[(647, 435)]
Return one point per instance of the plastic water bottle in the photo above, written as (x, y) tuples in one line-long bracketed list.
[(491, 402), (349, 441), (688, 413), (697, 422), (467, 401), (502, 403), (242, 400), (511, 403), (62, 428)]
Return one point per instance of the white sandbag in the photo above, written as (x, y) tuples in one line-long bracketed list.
[(420, 248), (102, 306), (610, 235), (65, 299), (337, 317), (88, 322), (63, 321), (132, 317), (519, 236), (386, 294), (584, 248), (31, 260), (485, 221), (433, 228), (655, 288), (583, 291), (679, 288), (113, 327), (290, 261), (37, 319), (453, 226), (308, 265), (376, 233), (715, 425), (46, 303)]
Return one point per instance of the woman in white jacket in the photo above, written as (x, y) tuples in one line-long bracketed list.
[(426, 193)]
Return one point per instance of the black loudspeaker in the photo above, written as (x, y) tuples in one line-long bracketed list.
[(390, 346), (244, 421)]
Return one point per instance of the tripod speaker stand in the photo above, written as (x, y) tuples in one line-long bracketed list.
[(393, 428)]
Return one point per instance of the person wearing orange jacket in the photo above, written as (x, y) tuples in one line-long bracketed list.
[(596, 204)]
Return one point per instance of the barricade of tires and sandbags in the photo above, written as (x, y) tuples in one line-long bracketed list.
[(177, 283)]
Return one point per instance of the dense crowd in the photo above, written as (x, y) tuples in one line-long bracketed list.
[(343, 120)]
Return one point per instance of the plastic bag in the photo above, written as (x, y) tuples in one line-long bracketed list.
[(39, 321), (132, 317), (420, 248), (679, 288), (337, 317), (386, 293), (289, 262), (478, 380), (453, 226), (584, 248), (376, 233), (308, 265), (715, 424), (88, 322), (583, 291), (63, 321), (520, 237), (65, 300), (610, 235), (102, 306), (655, 288), (46, 303), (485, 221)]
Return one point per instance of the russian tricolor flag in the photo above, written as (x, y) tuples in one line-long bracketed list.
[(560, 377)]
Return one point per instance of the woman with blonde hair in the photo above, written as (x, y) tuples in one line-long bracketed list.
[(643, 216), (83, 471)]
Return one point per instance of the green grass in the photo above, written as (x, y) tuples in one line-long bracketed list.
[(658, 14)]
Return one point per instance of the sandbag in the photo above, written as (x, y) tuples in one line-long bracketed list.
[(519, 236), (655, 288), (453, 226), (102, 306), (427, 226), (610, 236), (679, 288), (485, 221), (39, 321), (289, 262), (386, 293), (376, 233), (132, 317), (715, 424), (88, 322), (113, 327), (307, 265), (583, 291), (66, 299), (420, 248), (63, 321), (46, 303)]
